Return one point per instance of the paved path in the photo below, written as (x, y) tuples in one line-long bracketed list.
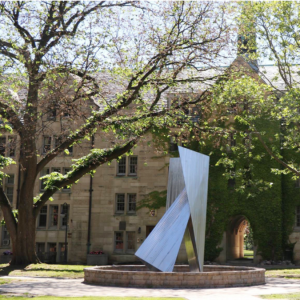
[(76, 287)]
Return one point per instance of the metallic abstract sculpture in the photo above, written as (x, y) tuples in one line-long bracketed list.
[(185, 216)]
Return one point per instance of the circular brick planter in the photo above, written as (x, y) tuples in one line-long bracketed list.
[(140, 276)]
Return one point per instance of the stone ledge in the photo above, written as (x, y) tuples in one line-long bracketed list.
[(140, 276)]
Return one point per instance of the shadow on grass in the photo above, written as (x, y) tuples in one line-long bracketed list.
[(7, 269), (50, 270)]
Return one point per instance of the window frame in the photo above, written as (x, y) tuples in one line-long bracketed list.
[(126, 163), (10, 186), (44, 214), (51, 216), (62, 219), (127, 250), (117, 250), (119, 164), (129, 211), (124, 242), (130, 164), (49, 144), (120, 212), (126, 204)]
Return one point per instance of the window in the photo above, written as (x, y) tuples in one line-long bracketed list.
[(46, 171), (129, 241), (40, 247), (53, 216), (127, 166), (64, 215), (131, 203), (132, 165), (119, 245), (2, 145), (120, 203), (5, 236), (298, 216), (47, 144), (57, 216), (9, 187), (52, 247), (42, 221), (10, 194), (52, 114), (61, 252), (56, 169), (123, 202), (58, 140), (130, 238), (122, 166)]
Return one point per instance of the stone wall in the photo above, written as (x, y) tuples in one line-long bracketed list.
[(139, 276)]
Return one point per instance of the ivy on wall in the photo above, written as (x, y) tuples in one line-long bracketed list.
[(270, 211)]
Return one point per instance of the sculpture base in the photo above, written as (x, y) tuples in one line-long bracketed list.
[(140, 276)]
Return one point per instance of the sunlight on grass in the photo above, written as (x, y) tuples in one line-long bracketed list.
[(88, 298), (295, 296), (248, 253), (287, 273), (44, 270)]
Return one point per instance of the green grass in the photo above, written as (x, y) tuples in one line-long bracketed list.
[(44, 270), (5, 281), (248, 253), (286, 273), (295, 296), (85, 298)]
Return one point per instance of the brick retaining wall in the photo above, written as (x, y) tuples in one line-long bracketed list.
[(140, 276)]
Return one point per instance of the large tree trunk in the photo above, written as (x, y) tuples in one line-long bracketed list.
[(24, 245), (24, 252)]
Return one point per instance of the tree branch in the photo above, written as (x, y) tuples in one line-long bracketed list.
[(7, 112), (94, 160), (9, 218), (275, 156)]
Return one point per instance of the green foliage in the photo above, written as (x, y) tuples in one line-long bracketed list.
[(153, 200), (5, 162), (248, 238)]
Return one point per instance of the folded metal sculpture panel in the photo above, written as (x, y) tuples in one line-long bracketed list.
[(161, 247), (195, 167), (175, 181)]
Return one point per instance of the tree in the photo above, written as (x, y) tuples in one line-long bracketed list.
[(55, 52), (271, 29)]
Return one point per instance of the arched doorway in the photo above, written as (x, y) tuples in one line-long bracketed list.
[(235, 237)]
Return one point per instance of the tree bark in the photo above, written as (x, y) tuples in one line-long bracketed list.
[(23, 245)]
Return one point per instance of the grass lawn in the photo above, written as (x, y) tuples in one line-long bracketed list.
[(44, 270), (295, 296), (286, 273), (86, 298), (248, 253)]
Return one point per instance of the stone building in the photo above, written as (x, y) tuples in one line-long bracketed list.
[(101, 210)]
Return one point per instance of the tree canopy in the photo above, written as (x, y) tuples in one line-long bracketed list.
[(107, 66)]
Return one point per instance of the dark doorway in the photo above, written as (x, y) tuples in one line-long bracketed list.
[(149, 228)]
